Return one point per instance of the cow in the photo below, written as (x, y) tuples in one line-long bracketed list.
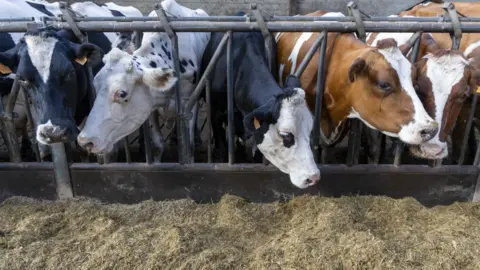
[(363, 82), (130, 87), (443, 79), (277, 118), (38, 9), (469, 45)]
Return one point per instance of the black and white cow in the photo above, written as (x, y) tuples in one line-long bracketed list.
[(131, 87), (50, 69), (278, 118), (38, 9)]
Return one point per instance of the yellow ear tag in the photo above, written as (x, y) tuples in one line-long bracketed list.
[(256, 124), (4, 69), (478, 89), (82, 60)]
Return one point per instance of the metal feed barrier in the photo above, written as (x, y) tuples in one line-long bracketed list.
[(205, 182)]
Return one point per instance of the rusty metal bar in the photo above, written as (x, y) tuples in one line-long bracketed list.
[(311, 52), (201, 84), (321, 76), (230, 96), (184, 150)]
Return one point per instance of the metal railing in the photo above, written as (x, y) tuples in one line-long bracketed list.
[(229, 24)]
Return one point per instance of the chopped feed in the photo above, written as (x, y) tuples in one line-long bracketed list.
[(306, 233)]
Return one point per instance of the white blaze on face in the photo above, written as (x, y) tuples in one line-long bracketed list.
[(40, 50), (297, 160), (444, 73), (411, 132)]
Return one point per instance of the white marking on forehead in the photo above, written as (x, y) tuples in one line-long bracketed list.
[(444, 72), (404, 71), (40, 50), (471, 48)]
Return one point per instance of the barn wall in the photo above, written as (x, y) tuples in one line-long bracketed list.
[(278, 7)]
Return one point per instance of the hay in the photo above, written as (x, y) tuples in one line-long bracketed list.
[(305, 233)]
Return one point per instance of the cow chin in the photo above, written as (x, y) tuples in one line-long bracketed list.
[(429, 151)]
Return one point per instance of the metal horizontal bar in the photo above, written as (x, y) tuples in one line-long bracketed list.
[(330, 26), (19, 19), (253, 19)]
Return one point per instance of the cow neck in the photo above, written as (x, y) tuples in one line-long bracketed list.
[(258, 86)]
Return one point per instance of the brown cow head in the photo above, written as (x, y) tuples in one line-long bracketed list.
[(445, 79), (382, 95)]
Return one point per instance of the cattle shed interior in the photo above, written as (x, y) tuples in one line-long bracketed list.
[(364, 162)]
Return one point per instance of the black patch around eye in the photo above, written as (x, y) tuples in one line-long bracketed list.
[(182, 69), (184, 62), (152, 53), (288, 139), (153, 64)]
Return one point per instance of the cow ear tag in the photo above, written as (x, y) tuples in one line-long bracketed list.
[(81, 60), (478, 89), (256, 124), (4, 69)]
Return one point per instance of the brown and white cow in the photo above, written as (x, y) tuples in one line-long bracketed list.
[(371, 84), (470, 46), (444, 79)]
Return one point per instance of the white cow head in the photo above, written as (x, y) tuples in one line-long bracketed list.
[(282, 129), (127, 87)]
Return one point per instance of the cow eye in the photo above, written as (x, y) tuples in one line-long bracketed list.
[(288, 138), (23, 82), (385, 86), (121, 96)]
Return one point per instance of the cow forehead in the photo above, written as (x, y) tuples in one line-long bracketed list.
[(40, 49)]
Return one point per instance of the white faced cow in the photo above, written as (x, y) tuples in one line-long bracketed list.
[(130, 87)]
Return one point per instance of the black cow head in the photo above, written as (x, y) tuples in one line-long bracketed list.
[(49, 68)]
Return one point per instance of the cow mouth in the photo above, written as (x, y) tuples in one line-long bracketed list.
[(429, 151)]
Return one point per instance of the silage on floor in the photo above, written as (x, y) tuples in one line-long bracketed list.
[(306, 233)]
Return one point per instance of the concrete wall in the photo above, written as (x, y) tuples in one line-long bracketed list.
[(279, 7)]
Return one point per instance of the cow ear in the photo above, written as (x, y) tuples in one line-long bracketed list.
[(356, 69), (260, 116), (159, 78), (292, 81), (88, 52), (8, 61)]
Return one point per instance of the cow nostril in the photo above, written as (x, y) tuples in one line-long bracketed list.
[(308, 181), (88, 146)]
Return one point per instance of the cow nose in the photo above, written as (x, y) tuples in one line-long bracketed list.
[(88, 146), (48, 134), (85, 143), (312, 180), (428, 133)]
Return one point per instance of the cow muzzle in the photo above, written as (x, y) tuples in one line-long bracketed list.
[(417, 133), (49, 133)]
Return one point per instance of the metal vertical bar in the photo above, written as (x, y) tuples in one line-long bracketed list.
[(355, 133), (35, 147), (62, 171), (399, 145), (184, 149), (128, 155), (9, 127), (319, 95), (266, 34), (468, 128), (209, 121), (231, 145)]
